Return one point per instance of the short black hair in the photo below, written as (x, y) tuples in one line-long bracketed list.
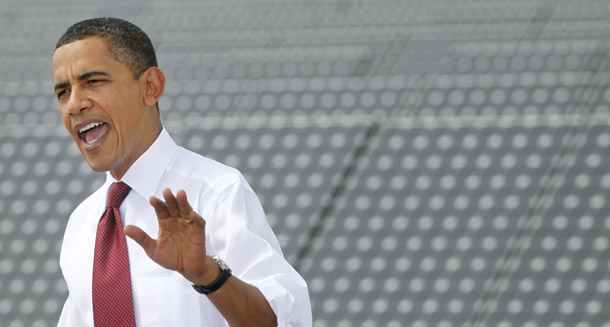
[(126, 42)]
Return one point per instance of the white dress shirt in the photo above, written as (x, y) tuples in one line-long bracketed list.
[(236, 231)]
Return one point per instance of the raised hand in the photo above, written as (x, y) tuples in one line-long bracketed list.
[(180, 245)]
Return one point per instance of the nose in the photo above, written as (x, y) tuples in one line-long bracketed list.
[(79, 101)]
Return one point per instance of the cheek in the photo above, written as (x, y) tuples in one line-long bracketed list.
[(65, 117)]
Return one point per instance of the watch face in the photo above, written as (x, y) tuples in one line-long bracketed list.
[(221, 263)]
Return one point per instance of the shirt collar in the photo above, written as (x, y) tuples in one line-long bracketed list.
[(145, 173)]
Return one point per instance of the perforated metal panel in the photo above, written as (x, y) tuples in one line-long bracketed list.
[(423, 163)]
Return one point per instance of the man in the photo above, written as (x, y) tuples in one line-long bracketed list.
[(108, 84)]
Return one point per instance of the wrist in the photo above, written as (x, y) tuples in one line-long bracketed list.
[(210, 272), (223, 274)]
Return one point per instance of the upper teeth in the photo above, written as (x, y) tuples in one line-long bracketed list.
[(89, 126)]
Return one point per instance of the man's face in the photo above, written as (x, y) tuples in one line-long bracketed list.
[(101, 105)]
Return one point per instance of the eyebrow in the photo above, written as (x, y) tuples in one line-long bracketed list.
[(81, 77)]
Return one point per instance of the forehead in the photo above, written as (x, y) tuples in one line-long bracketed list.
[(82, 56)]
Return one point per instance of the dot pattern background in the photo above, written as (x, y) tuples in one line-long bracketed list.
[(438, 163)]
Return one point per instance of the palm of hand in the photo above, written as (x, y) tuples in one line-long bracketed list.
[(180, 245)]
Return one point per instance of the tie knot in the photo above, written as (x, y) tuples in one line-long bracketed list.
[(117, 193)]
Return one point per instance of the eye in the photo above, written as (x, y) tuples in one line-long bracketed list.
[(94, 81), (61, 93)]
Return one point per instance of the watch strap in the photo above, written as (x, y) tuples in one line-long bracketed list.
[(225, 273)]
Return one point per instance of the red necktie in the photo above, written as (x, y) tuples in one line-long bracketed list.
[(112, 299)]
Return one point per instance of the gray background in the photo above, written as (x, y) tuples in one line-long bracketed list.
[(423, 163)]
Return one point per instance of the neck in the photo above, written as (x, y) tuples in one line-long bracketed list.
[(149, 136)]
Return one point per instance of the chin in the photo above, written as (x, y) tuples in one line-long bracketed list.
[(97, 166), (99, 169)]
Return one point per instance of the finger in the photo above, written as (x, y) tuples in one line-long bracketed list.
[(186, 211), (183, 205), (140, 237), (172, 204), (198, 220), (160, 207)]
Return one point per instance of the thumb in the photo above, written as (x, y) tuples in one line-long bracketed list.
[(140, 237)]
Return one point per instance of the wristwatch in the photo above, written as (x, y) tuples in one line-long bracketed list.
[(225, 273)]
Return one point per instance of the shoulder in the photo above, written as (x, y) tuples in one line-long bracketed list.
[(195, 168), (207, 183)]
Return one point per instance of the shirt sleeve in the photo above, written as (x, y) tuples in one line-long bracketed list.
[(239, 233)]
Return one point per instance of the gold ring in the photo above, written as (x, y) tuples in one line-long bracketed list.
[(188, 221)]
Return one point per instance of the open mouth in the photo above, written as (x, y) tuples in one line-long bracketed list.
[(93, 132)]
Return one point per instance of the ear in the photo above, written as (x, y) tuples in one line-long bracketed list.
[(154, 81)]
